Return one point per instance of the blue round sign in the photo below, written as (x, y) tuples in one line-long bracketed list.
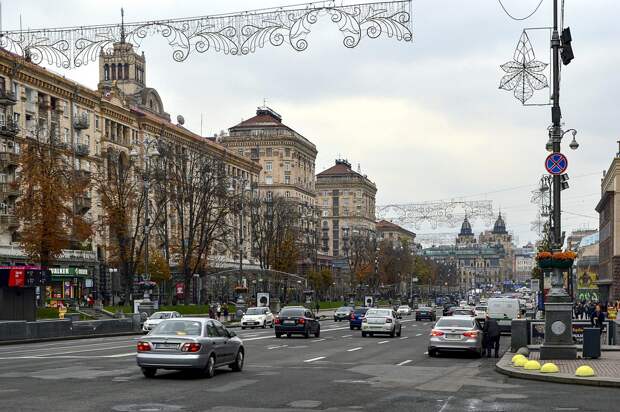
[(556, 163)]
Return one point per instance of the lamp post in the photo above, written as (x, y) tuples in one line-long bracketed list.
[(149, 152), (244, 185), (558, 342)]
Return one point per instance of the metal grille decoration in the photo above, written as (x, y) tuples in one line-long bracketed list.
[(234, 34), (442, 213), (523, 71)]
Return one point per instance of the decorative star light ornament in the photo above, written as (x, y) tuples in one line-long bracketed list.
[(524, 71)]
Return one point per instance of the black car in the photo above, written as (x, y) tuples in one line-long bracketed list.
[(447, 309), (297, 320), (425, 312)]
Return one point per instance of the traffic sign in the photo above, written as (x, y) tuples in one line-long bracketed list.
[(556, 163)]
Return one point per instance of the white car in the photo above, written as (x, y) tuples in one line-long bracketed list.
[(255, 317), (156, 318), (381, 321), (480, 311), (404, 310)]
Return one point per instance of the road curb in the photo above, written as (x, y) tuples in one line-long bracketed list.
[(60, 338), (508, 370)]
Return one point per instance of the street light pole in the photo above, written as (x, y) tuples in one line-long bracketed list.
[(558, 342)]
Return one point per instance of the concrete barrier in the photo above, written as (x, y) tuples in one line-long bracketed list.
[(66, 328)]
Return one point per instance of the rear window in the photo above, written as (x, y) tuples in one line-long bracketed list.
[(379, 312), (424, 308), (256, 311), (292, 312), (345, 309), (178, 328), (454, 323), (481, 308), (361, 311)]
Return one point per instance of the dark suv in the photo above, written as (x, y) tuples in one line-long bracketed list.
[(297, 320), (425, 312)]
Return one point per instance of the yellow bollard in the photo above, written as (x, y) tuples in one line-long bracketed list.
[(584, 371), (532, 365), (517, 356), (549, 368), (520, 362), (61, 312)]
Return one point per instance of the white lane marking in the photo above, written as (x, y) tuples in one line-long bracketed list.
[(418, 334), (445, 405), (68, 352), (354, 349), (404, 337), (404, 362), (276, 347), (382, 342), (118, 355), (318, 340), (314, 359), (346, 336), (55, 345), (79, 343)]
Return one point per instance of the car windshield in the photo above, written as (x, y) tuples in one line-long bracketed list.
[(361, 311), (178, 328), (292, 312), (454, 323), (256, 311), (161, 315), (379, 312), (345, 309)]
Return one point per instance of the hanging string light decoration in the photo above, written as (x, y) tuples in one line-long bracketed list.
[(235, 34)]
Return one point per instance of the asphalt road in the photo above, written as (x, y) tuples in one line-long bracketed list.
[(341, 371)]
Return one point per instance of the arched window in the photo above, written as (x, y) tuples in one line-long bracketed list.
[(113, 71), (126, 74), (106, 72), (120, 72)]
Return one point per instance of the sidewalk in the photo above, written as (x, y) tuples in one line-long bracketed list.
[(607, 369)]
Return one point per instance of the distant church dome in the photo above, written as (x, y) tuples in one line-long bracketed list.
[(466, 228), (500, 226)]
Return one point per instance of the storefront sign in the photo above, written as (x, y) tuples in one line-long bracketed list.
[(17, 278), (180, 288), (69, 272)]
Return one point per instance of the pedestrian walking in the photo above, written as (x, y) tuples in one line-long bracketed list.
[(218, 311), (491, 335), (226, 313), (211, 312)]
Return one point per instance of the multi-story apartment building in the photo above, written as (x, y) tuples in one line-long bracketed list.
[(395, 234), (346, 201), (524, 262), (92, 125)]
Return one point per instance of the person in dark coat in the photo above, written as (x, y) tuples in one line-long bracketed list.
[(597, 318), (491, 335)]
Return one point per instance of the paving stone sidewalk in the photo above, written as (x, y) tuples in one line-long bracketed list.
[(607, 369)]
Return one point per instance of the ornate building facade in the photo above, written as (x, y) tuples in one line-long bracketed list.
[(91, 125)]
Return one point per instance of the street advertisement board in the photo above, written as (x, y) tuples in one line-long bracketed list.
[(368, 301), (262, 299), (537, 332), (587, 289)]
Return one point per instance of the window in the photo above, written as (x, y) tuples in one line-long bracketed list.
[(239, 151), (287, 152), (287, 194), (287, 180), (2, 119), (269, 196), (16, 118), (268, 166), (269, 151), (106, 72), (268, 180), (97, 126), (287, 166), (65, 136)]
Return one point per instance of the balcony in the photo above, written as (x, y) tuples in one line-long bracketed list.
[(9, 128), (82, 204), (9, 221), (9, 189), (7, 98), (82, 149), (81, 122), (8, 159)]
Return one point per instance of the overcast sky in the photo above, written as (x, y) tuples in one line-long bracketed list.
[(425, 120)]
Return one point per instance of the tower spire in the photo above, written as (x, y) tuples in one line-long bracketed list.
[(122, 25)]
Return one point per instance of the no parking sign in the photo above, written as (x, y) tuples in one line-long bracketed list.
[(556, 163)]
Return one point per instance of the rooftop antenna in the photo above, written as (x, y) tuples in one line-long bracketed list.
[(264, 102), (359, 168), (122, 25)]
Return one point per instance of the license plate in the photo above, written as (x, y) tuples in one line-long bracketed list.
[(453, 336), (289, 322), (167, 345)]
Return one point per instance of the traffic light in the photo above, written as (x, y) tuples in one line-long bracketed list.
[(567, 50)]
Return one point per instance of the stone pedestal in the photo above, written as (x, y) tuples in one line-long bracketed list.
[(558, 332)]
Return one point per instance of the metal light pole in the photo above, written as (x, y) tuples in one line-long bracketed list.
[(243, 184), (149, 153), (558, 342)]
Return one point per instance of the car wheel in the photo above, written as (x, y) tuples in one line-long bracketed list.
[(318, 332), (371, 334), (264, 324), (432, 353), (149, 372), (209, 371), (363, 334), (243, 328), (237, 365)]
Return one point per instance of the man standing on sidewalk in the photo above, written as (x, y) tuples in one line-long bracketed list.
[(492, 335)]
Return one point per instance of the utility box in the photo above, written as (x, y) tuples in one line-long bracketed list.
[(18, 303), (592, 343)]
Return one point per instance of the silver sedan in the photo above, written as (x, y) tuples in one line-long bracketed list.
[(200, 344), (456, 333), (381, 321)]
